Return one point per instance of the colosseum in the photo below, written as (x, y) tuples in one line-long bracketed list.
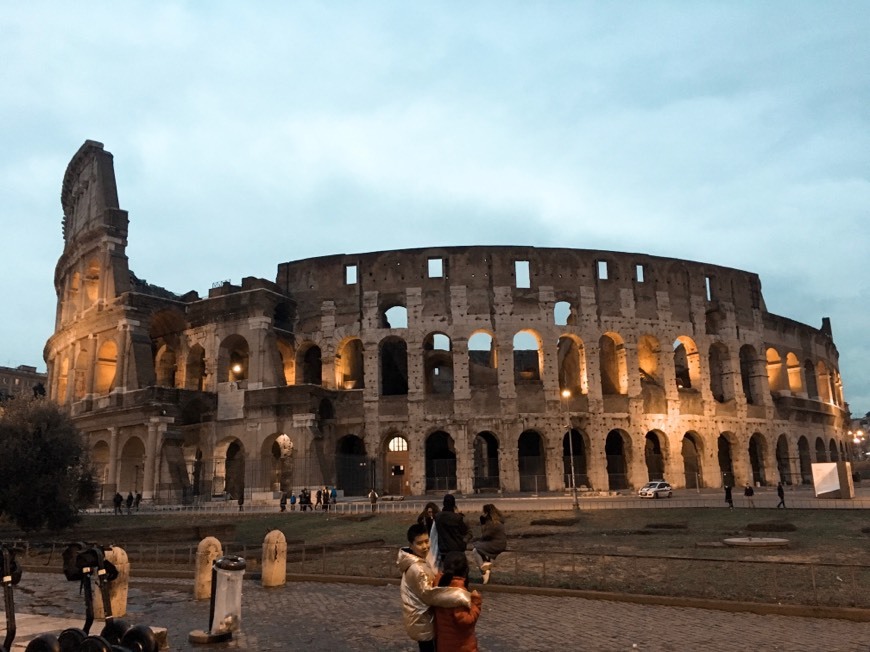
[(459, 368)]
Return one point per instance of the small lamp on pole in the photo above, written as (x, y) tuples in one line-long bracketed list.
[(566, 394)]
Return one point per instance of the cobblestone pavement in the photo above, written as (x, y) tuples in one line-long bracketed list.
[(318, 617)]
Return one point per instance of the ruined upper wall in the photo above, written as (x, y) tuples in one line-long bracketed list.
[(89, 195), (569, 272)]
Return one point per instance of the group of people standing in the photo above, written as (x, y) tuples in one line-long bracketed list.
[(440, 612), (132, 502), (749, 495), (323, 499)]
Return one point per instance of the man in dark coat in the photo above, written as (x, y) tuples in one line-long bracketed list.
[(453, 532)]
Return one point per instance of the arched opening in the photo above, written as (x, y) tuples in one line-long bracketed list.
[(795, 381), (92, 282), (482, 360), (577, 444), (62, 381), (72, 299), (572, 365), (527, 357), (440, 462), (615, 447), (757, 454), (653, 456), (782, 460), (832, 447), (165, 367), (394, 366), (397, 463), (721, 389), (107, 363), (563, 314), (687, 363), (821, 452), (233, 359), (309, 368), (279, 462), (726, 464), (349, 365), (776, 378), (486, 475), (806, 463), (131, 471), (692, 461), (235, 470), (648, 350), (394, 317), (81, 374), (438, 364), (612, 365), (823, 382), (194, 377), (100, 460), (351, 466), (532, 462)]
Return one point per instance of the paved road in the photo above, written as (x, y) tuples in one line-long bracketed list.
[(319, 617)]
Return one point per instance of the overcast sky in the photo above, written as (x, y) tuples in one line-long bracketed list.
[(248, 134)]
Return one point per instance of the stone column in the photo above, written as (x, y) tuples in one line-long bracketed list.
[(113, 459)]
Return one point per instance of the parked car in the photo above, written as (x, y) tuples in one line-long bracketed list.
[(657, 489)]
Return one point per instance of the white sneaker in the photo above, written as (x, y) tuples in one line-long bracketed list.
[(486, 576)]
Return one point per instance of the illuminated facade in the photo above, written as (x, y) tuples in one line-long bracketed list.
[(431, 369)]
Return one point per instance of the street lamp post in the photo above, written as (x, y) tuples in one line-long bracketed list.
[(566, 394)]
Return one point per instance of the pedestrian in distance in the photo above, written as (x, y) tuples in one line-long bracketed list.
[(325, 499), (373, 499), (749, 493), (780, 491), (117, 501), (137, 500), (454, 626), (283, 502), (418, 590), (728, 497), (292, 502), (129, 502), (333, 496), (318, 499)]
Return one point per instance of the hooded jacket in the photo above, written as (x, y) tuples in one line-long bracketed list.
[(454, 628), (419, 593)]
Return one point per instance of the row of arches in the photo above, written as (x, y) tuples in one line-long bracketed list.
[(533, 461)]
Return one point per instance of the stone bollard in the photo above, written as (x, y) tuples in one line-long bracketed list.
[(207, 551), (274, 568), (117, 588)]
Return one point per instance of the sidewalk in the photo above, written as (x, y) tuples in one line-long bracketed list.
[(322, 617)]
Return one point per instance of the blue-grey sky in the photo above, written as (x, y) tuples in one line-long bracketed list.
[(246, 134)]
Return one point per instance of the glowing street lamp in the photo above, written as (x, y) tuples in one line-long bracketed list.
[(566, 394)]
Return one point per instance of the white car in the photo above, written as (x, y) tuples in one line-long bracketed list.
[(657, 489)]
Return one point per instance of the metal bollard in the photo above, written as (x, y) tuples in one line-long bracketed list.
[(207, 551), (274, 571), (225, 611)]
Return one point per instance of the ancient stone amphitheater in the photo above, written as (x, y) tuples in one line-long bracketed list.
[(462, 368)]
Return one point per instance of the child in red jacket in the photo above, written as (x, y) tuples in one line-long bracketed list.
[(454, 627)]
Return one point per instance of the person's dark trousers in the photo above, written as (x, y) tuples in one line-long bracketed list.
[(426, 646)]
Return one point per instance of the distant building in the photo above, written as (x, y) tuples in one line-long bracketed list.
[(23, 379), (444, 368)]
